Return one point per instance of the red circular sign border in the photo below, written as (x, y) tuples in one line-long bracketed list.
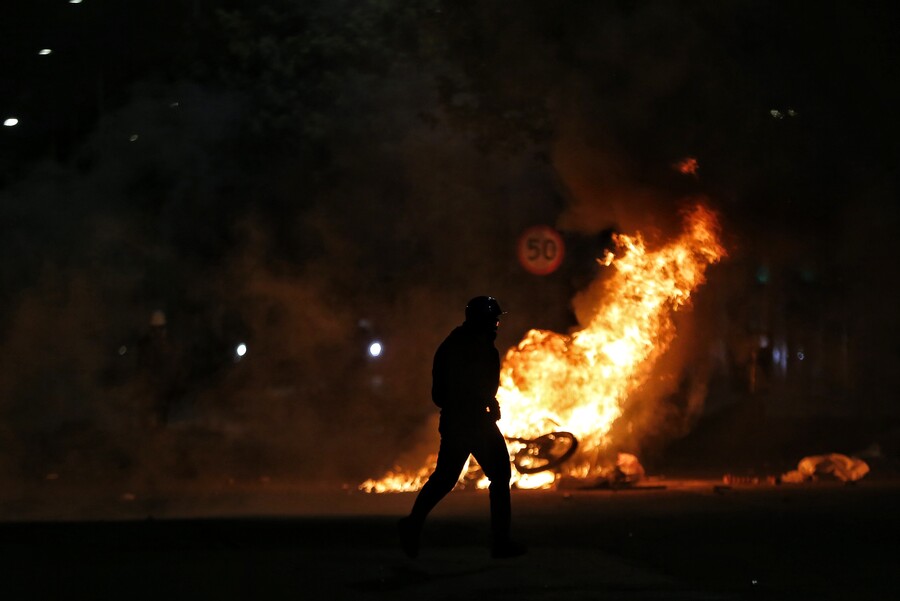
[(545, 231)]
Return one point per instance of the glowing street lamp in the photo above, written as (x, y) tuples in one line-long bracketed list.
[(375, 349), (45, 51), (11, 122)]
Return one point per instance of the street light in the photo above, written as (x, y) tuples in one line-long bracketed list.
[(11, 122)]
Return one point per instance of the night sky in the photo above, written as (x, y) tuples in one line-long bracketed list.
[(307, 177)]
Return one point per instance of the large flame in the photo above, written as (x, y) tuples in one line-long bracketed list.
[(581, 382)]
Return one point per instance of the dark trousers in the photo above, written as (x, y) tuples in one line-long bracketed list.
[(483, 440)]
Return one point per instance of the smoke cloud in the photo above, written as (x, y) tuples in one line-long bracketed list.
[(410, 202)]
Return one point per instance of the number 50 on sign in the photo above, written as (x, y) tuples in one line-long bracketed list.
[(541, 249)]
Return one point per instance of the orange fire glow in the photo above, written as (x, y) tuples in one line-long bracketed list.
[(581, 383), (688, 166)]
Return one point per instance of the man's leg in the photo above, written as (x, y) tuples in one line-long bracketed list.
[(493, 457), (450, 462)]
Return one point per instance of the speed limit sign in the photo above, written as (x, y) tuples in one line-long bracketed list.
[(541, 249)]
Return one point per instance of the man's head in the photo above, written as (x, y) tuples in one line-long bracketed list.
[(483, 312)]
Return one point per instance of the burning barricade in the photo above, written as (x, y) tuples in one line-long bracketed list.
[(561, 394)]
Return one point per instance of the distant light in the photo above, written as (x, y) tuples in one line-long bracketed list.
[(133, 138), (45, 51), (375, 349), (123, 349), (241, 350), (11, 122), (801, 355), (74, 1), (175, 105), (779, 114)]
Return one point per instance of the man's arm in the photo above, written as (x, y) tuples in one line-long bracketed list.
[(441, 376)]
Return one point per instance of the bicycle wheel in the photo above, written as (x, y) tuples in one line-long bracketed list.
[(545, 452)]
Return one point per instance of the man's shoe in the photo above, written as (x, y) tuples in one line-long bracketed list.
[(508, 549), (409, 536)]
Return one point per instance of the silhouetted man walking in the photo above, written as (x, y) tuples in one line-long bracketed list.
[(465, 378)]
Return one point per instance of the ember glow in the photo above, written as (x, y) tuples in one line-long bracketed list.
[(688, 166), (581, 383)]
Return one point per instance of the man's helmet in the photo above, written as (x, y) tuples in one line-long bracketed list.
[(483, 308)]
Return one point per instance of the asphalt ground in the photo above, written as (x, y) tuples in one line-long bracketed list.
[(669, 540)]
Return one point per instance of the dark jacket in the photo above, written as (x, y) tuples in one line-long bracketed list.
[(466, 375)]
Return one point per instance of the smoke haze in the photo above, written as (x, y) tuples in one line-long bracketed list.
[(307, 220)]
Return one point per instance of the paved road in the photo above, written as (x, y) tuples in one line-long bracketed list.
[(687, 541)]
